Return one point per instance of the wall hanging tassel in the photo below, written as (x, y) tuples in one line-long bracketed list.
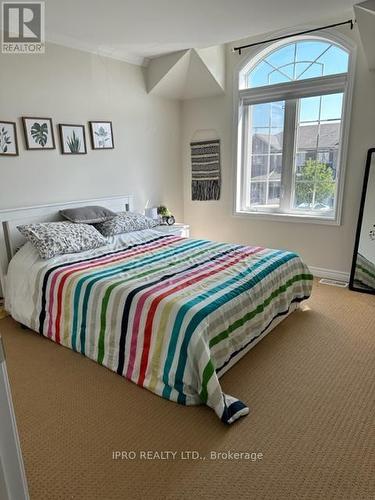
[(205, 165)]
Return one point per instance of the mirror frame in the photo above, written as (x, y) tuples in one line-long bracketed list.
[(360, 220)]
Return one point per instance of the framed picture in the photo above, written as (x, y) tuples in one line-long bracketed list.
[(73, 140), (101, 135), (38, 133), (8, 139)]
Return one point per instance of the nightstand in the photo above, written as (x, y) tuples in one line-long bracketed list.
[(178, 229)]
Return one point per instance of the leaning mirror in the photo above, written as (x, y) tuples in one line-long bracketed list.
[(362, 277)]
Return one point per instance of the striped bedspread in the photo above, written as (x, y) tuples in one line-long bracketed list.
[(364, 272), (169, 313)]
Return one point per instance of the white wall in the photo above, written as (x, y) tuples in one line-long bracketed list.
[(321, 246), (74, 87)]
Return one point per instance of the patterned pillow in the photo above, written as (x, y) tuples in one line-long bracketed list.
[(125, 222), (57, 238)]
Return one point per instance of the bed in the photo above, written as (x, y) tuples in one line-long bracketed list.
[(170, 314)]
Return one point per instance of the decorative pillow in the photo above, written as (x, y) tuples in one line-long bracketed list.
[(87, 215), (125, 222), (57, 238)]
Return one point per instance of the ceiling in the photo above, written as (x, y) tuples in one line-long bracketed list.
[(133, 30)]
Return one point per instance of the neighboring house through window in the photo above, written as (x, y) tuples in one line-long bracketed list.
[(293, 102)]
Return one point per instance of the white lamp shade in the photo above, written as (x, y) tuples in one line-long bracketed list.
[(151, 212)]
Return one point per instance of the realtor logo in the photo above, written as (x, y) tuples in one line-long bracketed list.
[(22, 28)]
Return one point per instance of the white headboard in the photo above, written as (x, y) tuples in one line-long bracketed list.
[(11, 238)]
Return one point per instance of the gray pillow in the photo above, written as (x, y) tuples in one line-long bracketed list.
[(58, 238), (87, 215), (125, 222)]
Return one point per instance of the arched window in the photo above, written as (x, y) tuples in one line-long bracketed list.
[(292, 100)]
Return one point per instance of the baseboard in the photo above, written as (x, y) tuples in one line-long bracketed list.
[(321, 272)]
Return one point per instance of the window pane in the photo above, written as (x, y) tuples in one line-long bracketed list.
[(259, 76), (314, 196), (276, 163), (307, 136), (267, 140), (300, 68), (274, 193), (313, 70), (334, 61), (309, 50), (309, 109), (277, 114), (260, 140), (278, 77), (265, 153), (297, 61), (304, 195), (258, 193), (332, 107), (284, 55), (329, 135), (259, 167), (316, 155), (261, 115)]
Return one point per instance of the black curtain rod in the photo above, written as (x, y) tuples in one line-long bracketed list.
[(239, 49)]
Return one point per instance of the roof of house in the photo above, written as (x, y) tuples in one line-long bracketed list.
[(329, 137)]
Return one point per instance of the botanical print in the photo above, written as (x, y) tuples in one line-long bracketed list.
[(38, 133), (73, 142), (8, 139), (72, 139), (101, 135), (4, 140)]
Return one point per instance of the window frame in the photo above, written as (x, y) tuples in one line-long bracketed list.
[(324, 85)]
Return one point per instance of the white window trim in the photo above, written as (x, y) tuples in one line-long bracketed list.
[(329, 83)]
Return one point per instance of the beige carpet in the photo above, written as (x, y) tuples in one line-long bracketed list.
[(310, 385)]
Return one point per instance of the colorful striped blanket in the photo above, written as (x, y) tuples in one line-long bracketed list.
[(169, 313), (364, 276)]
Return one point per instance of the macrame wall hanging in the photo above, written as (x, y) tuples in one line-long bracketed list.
[(205, 166)]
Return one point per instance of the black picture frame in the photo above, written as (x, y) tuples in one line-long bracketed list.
[(352, 286), (64, 151), (30, 146), (14, 128), (92, 125)]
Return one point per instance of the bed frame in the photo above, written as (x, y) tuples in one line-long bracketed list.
[(11, 239)]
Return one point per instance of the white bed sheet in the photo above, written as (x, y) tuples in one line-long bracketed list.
[(23, 268)]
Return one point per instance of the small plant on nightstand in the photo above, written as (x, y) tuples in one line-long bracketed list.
[(166, 216)]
